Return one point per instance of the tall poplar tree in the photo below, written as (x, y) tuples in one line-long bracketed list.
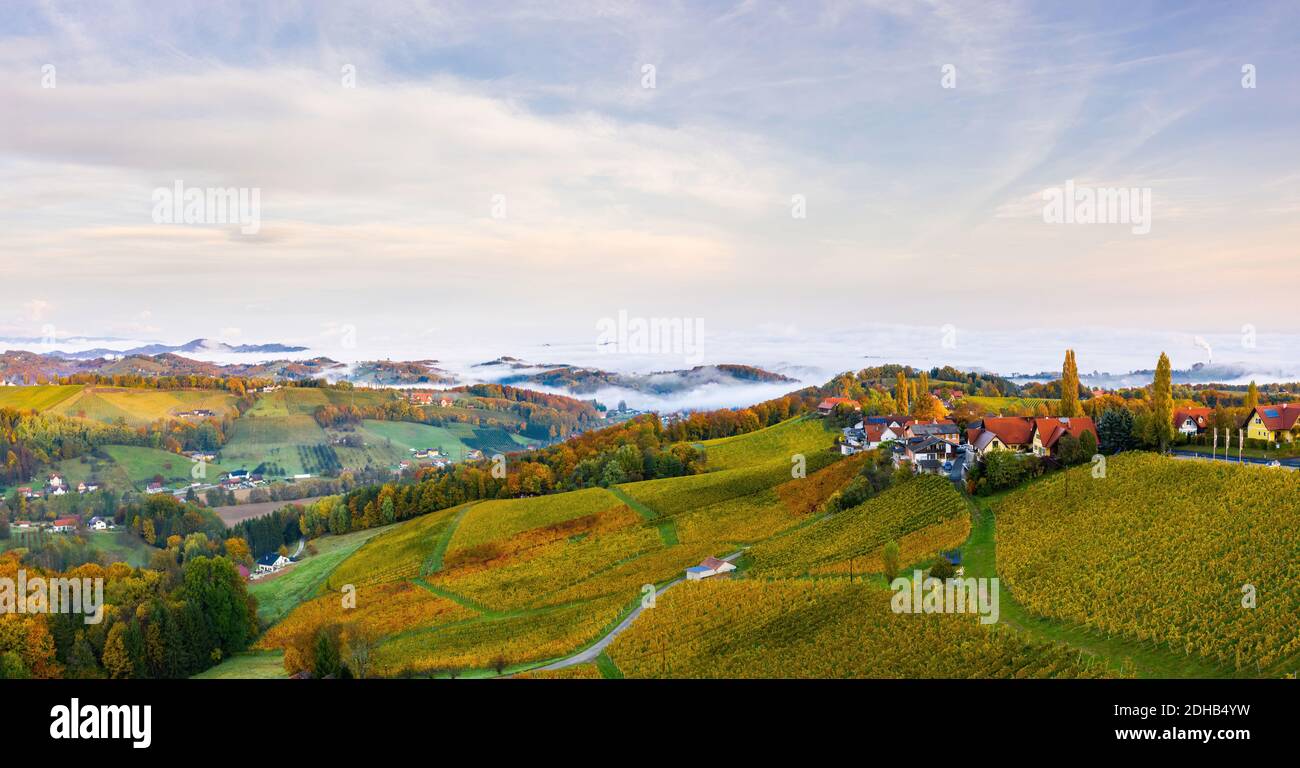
[(900, 394), (1252, 397), (1070, 386), (1162, 404)]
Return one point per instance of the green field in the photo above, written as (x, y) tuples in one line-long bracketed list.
[(394, 440), (274, 442), (117, 546), (256, 665), (540, 576), (134, 407), (121, 546), (1013, 406), (134, 467), (281, 434), (40, 397), (805, 436), (303, 581)]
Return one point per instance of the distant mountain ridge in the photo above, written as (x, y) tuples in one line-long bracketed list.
[(189, 347)]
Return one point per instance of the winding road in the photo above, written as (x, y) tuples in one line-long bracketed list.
[(600, 645)]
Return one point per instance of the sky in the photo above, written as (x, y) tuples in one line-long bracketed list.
[(491, 176)]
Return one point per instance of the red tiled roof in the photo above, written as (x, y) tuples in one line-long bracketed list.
[(830, 403), (1277, 418), (1052, 430), (875, 432), (713, 563), (62, 521), (1011, 430), (1199, 415)]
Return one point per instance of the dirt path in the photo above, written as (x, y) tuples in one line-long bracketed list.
[(600, 645)]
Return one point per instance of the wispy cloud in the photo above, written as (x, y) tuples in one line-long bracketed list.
[(503, 161)]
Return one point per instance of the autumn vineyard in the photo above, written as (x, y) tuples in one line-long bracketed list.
[(749, 543)]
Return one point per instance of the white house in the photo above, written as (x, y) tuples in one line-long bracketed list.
[(98, 524), (271, 562), (865, 437), (711, 566)]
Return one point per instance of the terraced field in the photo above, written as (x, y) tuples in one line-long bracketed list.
[(834, 629), (807, 436), (1012, 406), (401, 552), (495, 522), (38, 397), (273, 442), (1164, 552), (135, 407), (542, 576), (278, 595), (833, 544)]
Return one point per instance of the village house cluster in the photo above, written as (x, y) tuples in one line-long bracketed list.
[(64, 525), (428, 398), (1267, 423), (939, 446), (55, 485)]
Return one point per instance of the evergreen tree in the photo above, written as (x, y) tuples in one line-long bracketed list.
[(1115, 430)]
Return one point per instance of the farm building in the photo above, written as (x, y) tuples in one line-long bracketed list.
[(64, 525), (711, 566), (825, 407), (269, 563)]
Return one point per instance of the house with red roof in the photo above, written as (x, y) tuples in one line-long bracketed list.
[(866, 436), (1192, 421), (711, 566), (1273, 423), (825, 407), (65, 525), (1048, 432), (1001, 433), (1039, 436)]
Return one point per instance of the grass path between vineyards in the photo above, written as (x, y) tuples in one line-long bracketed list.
[(667, 528), (979, 556)]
